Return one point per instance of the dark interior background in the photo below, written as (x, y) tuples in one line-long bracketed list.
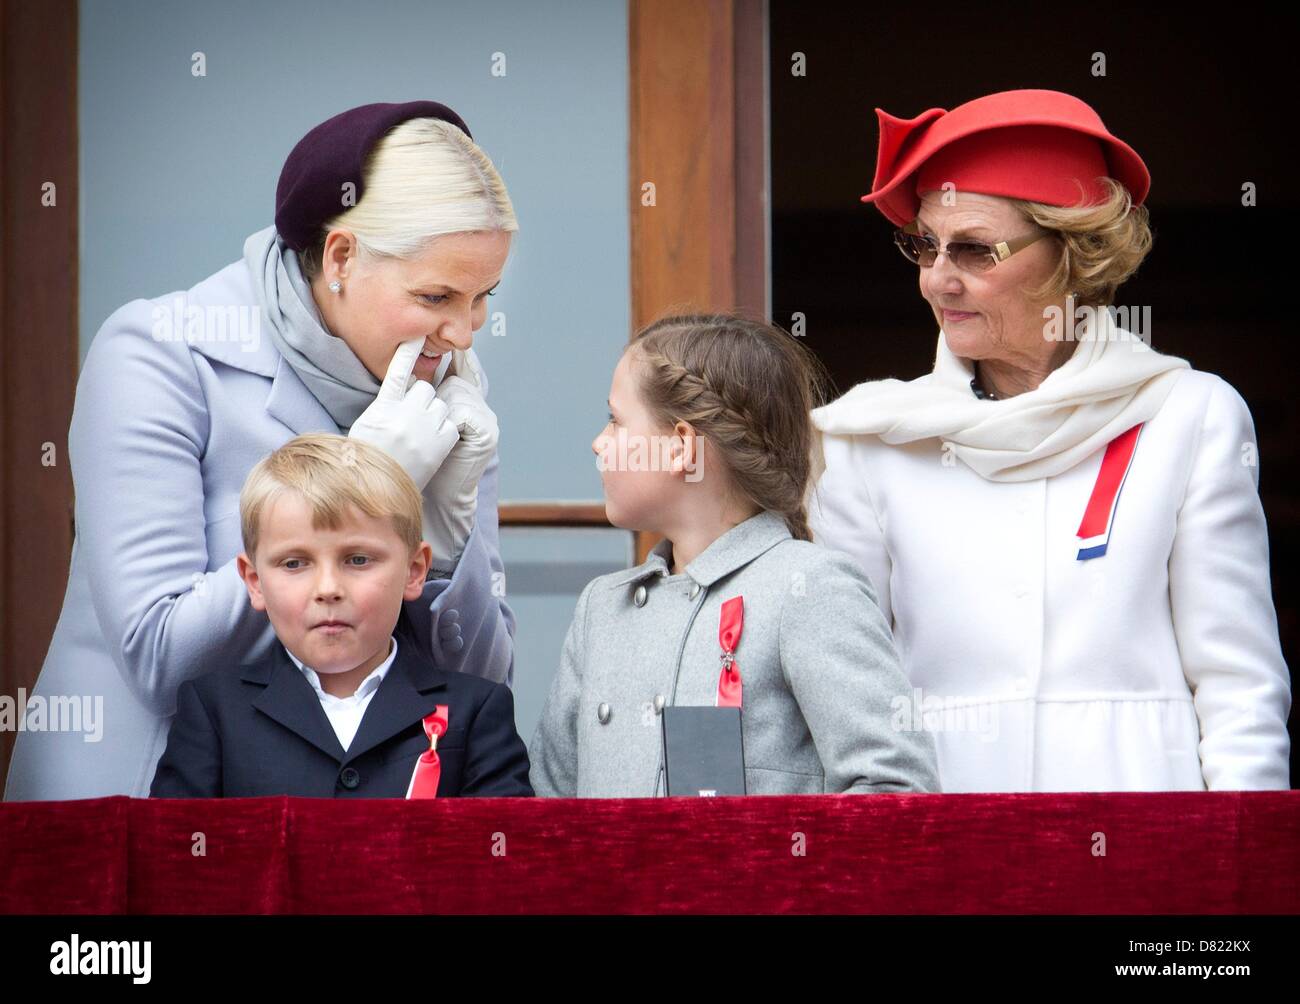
[(1206, 103)]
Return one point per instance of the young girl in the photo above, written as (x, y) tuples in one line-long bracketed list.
[(708, 444)]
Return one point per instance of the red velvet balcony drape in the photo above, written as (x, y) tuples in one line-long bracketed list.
[(1164, 853)]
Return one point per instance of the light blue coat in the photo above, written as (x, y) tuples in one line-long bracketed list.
[(163, 434)]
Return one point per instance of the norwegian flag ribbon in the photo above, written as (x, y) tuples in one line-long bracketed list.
[(1099, 517)]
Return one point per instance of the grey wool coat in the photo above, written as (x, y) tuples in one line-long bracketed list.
[(822, 684)]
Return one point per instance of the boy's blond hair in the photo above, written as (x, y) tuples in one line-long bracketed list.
[(332, 473)]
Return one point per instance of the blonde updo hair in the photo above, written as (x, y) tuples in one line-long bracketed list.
[(1101, 245), (423, 179), (332, 474), (747, 388)]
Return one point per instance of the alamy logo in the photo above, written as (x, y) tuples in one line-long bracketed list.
[(232, 322), (57, 713), (921, 712), (102, 958), (626, 451)]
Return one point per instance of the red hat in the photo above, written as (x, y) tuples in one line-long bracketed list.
[(1043, 146)]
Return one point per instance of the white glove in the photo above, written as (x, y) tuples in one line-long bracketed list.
[(451, 497), (412, 426)]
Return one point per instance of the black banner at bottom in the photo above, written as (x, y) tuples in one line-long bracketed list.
[(418, 953)]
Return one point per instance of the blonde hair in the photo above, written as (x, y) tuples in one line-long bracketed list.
[(1101, 245), (332, 473), (747, 388), (423, 179)]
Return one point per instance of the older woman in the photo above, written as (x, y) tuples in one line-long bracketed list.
[(391, 230), (1057, 635)]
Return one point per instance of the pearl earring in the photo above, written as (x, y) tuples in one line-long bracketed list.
[(335, 286)]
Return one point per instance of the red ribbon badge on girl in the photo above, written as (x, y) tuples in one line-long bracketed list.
[(729, 627), (428, 769)]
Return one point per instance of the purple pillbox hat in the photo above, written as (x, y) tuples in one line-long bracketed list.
[(311, 182)]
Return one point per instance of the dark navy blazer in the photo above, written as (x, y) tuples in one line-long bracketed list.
[(259, 729)]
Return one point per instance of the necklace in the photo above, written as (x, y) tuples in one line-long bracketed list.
[(979, 391)]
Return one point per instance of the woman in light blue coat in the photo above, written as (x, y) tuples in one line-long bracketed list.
[(369, 275)]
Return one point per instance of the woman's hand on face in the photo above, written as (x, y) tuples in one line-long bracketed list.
[(465, 366), (413, 426), (451, 498), (462, 391)]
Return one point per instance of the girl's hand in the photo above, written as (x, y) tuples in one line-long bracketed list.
[(413, 426)]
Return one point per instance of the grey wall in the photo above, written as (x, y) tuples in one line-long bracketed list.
[(177, 170)]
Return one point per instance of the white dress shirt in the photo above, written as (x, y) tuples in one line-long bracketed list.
[(345, 713)]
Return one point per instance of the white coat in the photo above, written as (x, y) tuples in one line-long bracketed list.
[(1156, 666)]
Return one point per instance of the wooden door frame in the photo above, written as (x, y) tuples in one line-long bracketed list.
[(39, 352), (698, 131), (698, 121)]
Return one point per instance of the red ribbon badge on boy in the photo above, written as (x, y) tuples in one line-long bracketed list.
[(729, 627), (428, 769)]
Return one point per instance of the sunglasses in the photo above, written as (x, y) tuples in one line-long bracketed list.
[(969, 256)]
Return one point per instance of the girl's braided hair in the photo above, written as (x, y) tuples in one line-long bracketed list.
[(747, 388)]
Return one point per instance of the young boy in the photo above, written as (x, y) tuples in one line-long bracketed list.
[(336, 708)]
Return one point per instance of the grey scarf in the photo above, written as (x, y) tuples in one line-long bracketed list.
[(330, 369)]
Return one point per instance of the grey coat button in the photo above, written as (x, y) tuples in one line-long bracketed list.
[(695, 590), (639, 596), (659, 703), (603, 713), (349, 778)]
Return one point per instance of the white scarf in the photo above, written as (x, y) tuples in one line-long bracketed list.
[(1112, 382)]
